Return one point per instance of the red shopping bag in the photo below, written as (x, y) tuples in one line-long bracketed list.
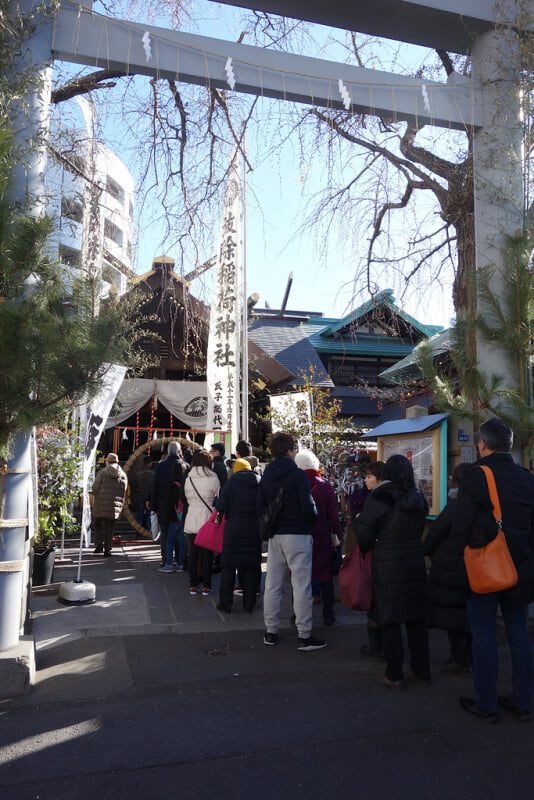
[(210, 535), (355, 581)]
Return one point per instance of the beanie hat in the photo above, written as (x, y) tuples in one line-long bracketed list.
[(240, 464), (306, 459)]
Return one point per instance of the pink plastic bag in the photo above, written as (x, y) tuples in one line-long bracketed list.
[(210, 535), (355, 581)]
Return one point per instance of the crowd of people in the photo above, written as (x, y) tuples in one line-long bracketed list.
[(418, 574)]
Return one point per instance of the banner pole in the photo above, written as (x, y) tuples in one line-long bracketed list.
[(244, 324)]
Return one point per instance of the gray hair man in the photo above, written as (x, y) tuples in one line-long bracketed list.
[(159, 500)]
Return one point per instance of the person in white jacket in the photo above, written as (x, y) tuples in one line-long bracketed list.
[(201, 488)]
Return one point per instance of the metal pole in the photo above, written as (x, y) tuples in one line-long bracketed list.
[(244, 325)]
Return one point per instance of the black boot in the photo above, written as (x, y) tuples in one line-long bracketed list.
[(327, 593), (374, 648)]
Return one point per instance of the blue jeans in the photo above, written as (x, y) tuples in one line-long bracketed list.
[(482, 612), (143, 514), (175, 540)]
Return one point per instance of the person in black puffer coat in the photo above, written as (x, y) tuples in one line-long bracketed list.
[(391, 525), (241, 541), (446, 589)]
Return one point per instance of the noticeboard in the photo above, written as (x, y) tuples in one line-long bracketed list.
[(424, 451)]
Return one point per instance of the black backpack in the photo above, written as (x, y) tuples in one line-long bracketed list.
[(270, 514)]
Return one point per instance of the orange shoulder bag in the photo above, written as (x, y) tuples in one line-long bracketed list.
[(490, 568)]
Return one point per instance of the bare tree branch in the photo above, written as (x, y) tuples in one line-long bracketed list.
[(446, 61), (86, 84)]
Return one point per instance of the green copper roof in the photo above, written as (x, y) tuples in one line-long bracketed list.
[(387, 299)]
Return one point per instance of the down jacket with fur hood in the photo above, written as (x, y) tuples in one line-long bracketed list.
[(109, 491), (391, 525)]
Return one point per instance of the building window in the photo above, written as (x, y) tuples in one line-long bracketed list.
[(351, 372), (131, 209), (344, 374), (111, 275), (69, 256), (112, 231), (114, 189), (368, 372), (71, 209)]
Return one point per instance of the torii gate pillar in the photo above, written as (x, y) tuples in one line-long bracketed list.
[(498, 174)]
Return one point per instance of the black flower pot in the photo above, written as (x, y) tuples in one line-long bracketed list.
[(43, 565)]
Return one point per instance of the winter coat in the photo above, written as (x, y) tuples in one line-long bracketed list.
[(219, 468), (199, 509), (143, 483), (252, 460), (446, 591), (177, 500), (242, 540), (298, 513), (353, 505), (327, 524), (475, 526), (161, 486), (109, 491), (391, 525)]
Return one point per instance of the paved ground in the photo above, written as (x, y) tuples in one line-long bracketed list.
[(134, 598), (152, 691)]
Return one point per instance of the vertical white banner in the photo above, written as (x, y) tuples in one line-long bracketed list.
[(223, 371), (93, 417)]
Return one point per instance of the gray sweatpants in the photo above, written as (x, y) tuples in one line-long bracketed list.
[(293, 552)]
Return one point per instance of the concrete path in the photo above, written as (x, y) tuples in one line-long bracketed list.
[(151, 692), (132, 597)]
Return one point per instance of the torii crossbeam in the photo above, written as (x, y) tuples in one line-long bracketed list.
[(487, 104)]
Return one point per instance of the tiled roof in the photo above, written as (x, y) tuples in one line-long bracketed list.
[(288, 341), (408, 367), (386, 299), (364, 344)]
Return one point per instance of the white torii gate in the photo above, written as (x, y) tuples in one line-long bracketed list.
[(487, 104)]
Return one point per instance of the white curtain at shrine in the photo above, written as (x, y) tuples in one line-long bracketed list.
[(186, 400)]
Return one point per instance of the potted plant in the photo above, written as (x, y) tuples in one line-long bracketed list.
[(59, 480)]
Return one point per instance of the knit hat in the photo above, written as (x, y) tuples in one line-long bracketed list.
[(307, 460), (241, 463), (112, 458)]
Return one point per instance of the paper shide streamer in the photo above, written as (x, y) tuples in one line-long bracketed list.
[(146, 46), (345, 96), (426, 99), (230, 74)]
